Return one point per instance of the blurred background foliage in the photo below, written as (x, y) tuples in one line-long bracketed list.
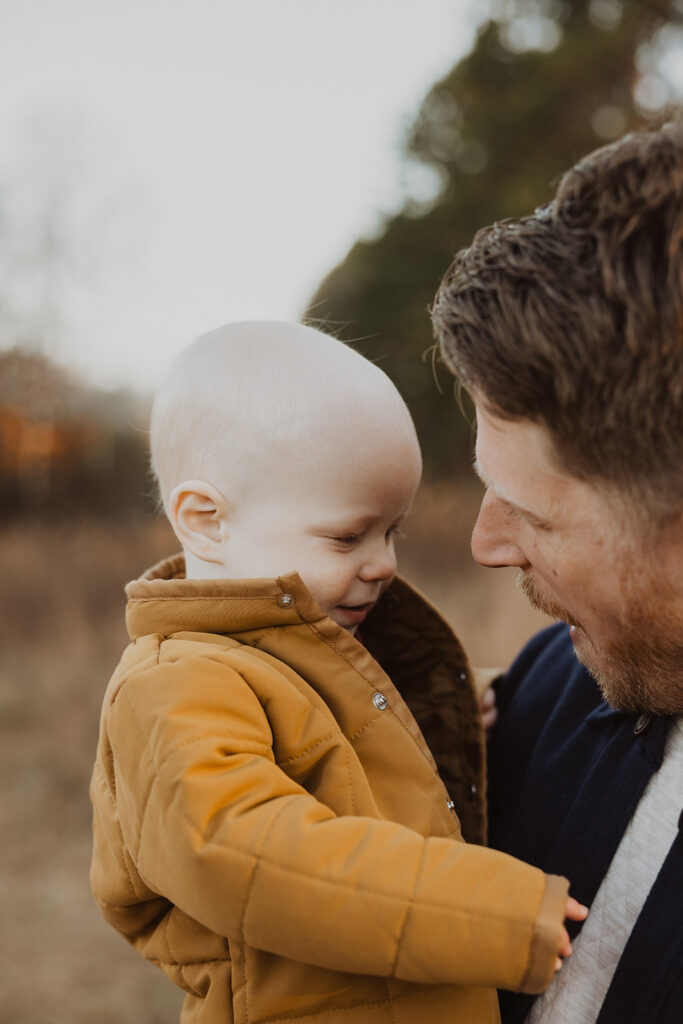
[(546, 82), (67, 450)]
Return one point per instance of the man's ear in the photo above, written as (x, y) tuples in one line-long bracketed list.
[(197, 512)]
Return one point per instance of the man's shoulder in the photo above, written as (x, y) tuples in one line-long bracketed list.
[(545, 704), (549, 653), (546, 672)]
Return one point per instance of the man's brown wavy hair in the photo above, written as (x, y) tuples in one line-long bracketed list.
[(573, 318)]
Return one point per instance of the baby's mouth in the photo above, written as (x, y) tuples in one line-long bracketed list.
[(356, 612)]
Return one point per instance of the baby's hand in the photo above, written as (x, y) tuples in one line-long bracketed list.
[(489, 711), (575, 912)]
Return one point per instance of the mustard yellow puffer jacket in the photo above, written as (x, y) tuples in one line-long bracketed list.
[(270, 826)]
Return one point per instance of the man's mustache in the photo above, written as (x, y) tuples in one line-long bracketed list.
[(536, 598)]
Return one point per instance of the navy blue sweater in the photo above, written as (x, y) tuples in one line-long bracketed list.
[(565, 775)]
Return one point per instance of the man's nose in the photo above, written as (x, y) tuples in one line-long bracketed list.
[(380, 564), (495, 537)]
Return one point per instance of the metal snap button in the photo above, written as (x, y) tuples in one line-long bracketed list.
[(463, 676), (380, 701), (473, 789), (286, 601), (642, 723)]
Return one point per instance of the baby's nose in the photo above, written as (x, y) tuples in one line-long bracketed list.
[(381, 565)]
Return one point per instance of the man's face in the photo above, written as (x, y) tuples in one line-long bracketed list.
[(584, 560), (334, 521)]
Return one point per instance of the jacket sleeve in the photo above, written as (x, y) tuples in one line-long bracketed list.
[(216, 827)]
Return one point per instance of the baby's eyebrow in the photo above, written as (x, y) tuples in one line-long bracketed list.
[(340, 525), (358, 525)]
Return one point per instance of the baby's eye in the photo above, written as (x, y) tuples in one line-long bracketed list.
[(351, 538)]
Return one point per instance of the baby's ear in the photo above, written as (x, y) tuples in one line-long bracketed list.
[(197, 512)]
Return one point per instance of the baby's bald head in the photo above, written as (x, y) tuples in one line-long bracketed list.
[(253, 399)]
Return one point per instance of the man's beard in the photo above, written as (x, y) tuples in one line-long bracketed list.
[(641, 667)]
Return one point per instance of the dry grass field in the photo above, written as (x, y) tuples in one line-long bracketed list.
[(61, 631)]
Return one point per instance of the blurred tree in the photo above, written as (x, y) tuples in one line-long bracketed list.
[(68, 450), (546, 81)]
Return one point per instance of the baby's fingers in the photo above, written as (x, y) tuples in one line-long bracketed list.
[(566, 947), (575, 911), (488, 698), (565, 950), (489, 711)]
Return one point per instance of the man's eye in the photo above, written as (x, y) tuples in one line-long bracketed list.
[(394, 531), (536, 524)]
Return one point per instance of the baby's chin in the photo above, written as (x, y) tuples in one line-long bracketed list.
[(349, 627)]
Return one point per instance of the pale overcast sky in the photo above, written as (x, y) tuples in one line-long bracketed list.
[(203, 161)]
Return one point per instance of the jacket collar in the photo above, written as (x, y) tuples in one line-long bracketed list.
[(162, 601)]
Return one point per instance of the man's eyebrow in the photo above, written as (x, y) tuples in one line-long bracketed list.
[(476, 466), (502, 496)]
